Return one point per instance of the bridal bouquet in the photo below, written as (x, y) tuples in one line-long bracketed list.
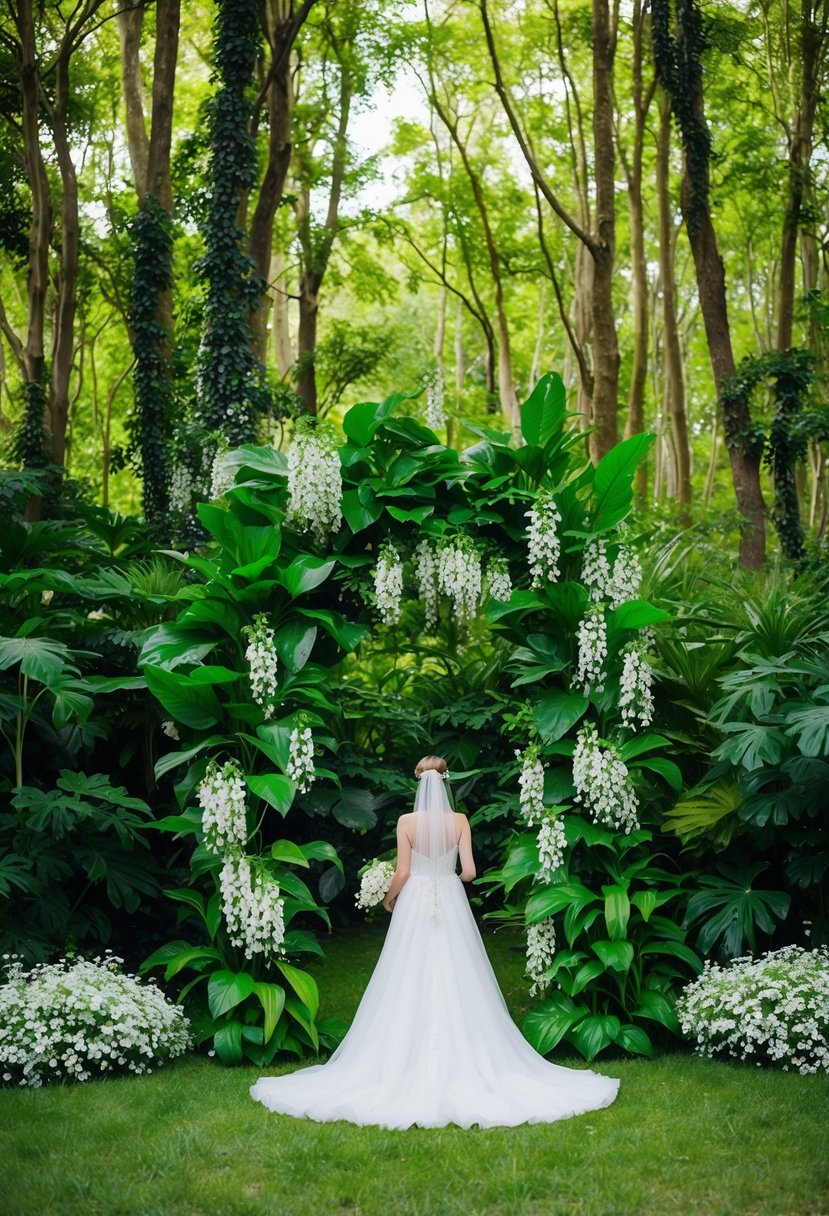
[(75, 1020), (773, 1009), (374, 883)]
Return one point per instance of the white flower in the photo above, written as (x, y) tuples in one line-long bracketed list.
[(596, 571), (551, 845), (531, 784), (253, 909), (459, 576), (374, 884), (544, 543), (221, 795), (46, 597), (592, 639), (613, 583), (627, 577), (171, 731), (635, 689), (58, 1021), (221, 477), (774, 1009), (435, 409), (301, 759), (426, 577), (541, 948), (263, 661), (180, 491), (315, 482), (388, 584), (498, 579), (603, 783)]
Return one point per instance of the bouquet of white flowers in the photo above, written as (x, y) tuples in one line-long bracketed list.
[(773, 1009), (74, 1020), (374, 883)]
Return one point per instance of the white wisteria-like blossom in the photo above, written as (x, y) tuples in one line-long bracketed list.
[(263, 662), (252, 906), (180, 492), (301, 758), (592, 639), (773, 1009), (435, 399), (388, 584), (544, 541), (551, 844), (531, 784), (596, 570), (602, 782), (170, 729), (498, 579), (636, 688), (315, 481), (426, 578), (222, 477), (541, 949), (612, 582), (72, 1020), (221, 795), (626, 582), (374, 884), (459, 576)]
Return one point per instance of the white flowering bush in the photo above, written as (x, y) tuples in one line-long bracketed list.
[(253, 908), (222, 476), (613, 582), (73, 1020), (592, 639), (221, 795), (543, 541), (315, 482), (388, 584), (459, 576), (551, 843), (541, 948), (498, 581), (300, 766), (263, 662), (375, 881), (772, 1010), (531, 784), (636, 688), (426, 578), (435, 399), (602, 782)]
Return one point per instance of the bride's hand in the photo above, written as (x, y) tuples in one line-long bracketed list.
[(388, 904)]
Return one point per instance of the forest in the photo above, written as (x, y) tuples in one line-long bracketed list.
[(386, 377)]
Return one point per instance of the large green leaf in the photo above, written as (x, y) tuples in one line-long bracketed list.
[(657, 1007), (552, 899), (613, 481), (360, 510), (41, 659), (634, 1039), (321, 850), (809, 727), (751, 745), (286, 850), (355, 809), (184, 699), (616, 956), (347, 634), (556, 712), (272, 999), (304, 573), (616, 910), (543, 414), (635, 614), (227, 989), (276, 789), (547, 1024), (304, 985), (227, 1042), (592, 1034)]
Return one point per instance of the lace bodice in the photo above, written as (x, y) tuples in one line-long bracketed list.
[(442, 867)]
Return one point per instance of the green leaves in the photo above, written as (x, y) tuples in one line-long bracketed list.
[(185, 698), (732, 909), (613, 481), (543, 414)]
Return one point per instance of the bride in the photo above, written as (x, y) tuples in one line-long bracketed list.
[(432, 1042)]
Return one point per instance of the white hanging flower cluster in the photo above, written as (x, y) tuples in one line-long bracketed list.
[(170, 729), (541, 949), (253, 909), (315, 482), (221, 477), (614, 583), (592, 638), (435, 400), (459, 576), (72, 1020), (301, 759), (498, 579), (603, 783), (531, 784), (426, 577), (374, 884), (772, 1010), (263, 661), (221, 796), (181, 489), (544, 542), (551, 845), (636, 689), (388, 584)]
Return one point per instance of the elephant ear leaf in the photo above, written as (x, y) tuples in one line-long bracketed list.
[(613, 481)]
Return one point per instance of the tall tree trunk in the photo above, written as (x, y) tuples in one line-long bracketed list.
[(678, 62), (280, 328), (535, 369), (674, 375)]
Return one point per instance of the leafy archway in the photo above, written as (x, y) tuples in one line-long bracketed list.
[(307, 552)]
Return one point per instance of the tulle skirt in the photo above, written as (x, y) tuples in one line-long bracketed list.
[(432, 1042)]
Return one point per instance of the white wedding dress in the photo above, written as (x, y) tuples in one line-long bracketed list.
[(432, 1041)]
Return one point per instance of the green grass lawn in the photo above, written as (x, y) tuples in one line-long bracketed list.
[(684, 1136)]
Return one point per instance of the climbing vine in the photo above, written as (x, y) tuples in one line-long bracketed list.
[(30, 440)]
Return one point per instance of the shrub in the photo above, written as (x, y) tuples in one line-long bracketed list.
[(72, 1020), (774, 1009)]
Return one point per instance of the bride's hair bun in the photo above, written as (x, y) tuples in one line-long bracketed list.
[(430, 762)]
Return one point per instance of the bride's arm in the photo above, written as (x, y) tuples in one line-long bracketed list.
[(468, 870), (401, 873)]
